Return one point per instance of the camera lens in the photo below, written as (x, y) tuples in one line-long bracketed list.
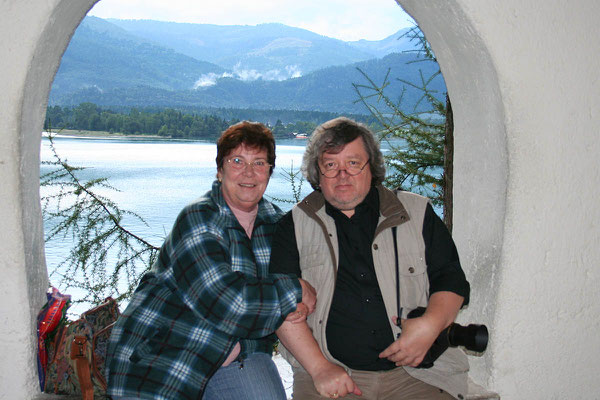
[(473, 337)]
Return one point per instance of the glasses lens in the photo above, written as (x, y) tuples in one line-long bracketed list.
[(332, 170), (257, 165), (260, 165), (236, 163)]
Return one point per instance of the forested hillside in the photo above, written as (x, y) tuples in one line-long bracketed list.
[(264, 48), (328, 90), (129, 64), (102, 57)]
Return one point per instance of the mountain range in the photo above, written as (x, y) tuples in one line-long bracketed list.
[(268, 66)]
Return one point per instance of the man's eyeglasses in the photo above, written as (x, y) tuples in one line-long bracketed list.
[(259, 166), (331, 169)]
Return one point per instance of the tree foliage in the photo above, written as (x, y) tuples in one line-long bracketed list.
[(182, 124), (75, 211), (416, 139)]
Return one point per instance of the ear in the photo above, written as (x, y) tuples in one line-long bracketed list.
[(219, 174)]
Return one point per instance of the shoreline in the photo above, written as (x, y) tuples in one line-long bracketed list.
[(84, 134), (101, 134)]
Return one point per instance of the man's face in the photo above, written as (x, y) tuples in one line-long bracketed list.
[(344, 191)]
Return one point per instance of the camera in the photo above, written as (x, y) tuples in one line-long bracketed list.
[(473, 337)]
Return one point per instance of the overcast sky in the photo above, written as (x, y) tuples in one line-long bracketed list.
[(340, 19)]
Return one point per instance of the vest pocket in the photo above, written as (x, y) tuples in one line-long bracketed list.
[(414, 283), (312, 259)]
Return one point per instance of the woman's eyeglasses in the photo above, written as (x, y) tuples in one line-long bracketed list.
[(259, 165)]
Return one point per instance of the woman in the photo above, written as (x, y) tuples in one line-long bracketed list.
[(201, 322)]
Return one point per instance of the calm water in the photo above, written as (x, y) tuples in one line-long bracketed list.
[(156, 179)]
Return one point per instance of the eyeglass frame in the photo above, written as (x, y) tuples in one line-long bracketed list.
[(344, 169), (248, 163)]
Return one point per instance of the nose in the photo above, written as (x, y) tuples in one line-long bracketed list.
[(248, 169), (346, 174)]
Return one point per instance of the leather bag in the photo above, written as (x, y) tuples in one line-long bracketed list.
[(78, 352)]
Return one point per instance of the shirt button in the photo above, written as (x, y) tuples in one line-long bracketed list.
[(367, 300), (411, 270), (375, 246), (373, 331)]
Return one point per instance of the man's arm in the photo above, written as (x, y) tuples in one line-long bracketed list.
[(297, 338), (443, 264), (329, 379)]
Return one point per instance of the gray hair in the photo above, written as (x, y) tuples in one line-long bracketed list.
[(332, 136)]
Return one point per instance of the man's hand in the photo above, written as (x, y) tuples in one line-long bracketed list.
[(332, 381), (309, 295), (418, 334)]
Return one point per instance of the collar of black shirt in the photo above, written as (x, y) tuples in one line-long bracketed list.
[(369, 204)]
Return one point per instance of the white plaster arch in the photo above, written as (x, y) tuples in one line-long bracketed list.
[(480, 183), (34, 36)]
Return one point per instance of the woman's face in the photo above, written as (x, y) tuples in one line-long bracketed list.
[(244, 187)]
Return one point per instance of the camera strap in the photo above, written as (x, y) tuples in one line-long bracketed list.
[(394, 231)]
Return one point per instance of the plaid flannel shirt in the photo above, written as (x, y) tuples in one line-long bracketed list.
[(209, 289)]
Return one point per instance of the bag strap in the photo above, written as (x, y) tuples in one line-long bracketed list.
[(98, 374), (79, 354)]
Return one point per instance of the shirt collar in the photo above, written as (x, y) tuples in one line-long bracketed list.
[(369, 204)]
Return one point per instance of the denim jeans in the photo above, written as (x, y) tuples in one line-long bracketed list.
[(254, 378)]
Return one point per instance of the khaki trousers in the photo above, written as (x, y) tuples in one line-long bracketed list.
[(395, 384)]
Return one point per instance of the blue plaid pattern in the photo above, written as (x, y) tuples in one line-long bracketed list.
[(209, 289)]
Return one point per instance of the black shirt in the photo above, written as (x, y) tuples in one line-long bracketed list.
[(358, 328)]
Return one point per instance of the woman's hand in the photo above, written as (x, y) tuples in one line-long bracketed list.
[(299, 315), (309, 295), (332, 381)]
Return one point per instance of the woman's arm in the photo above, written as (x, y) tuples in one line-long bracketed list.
[(239, 304)]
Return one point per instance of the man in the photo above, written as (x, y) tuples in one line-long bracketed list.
[(340, 238)]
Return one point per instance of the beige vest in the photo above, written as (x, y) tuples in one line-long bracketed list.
[(318, 248)]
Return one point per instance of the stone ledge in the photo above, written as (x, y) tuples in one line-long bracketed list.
[(478, 392), (475, 392)]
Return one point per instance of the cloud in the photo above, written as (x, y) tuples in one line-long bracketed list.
[(210, 79), (249, 75), (245, 74), (293, 71)]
